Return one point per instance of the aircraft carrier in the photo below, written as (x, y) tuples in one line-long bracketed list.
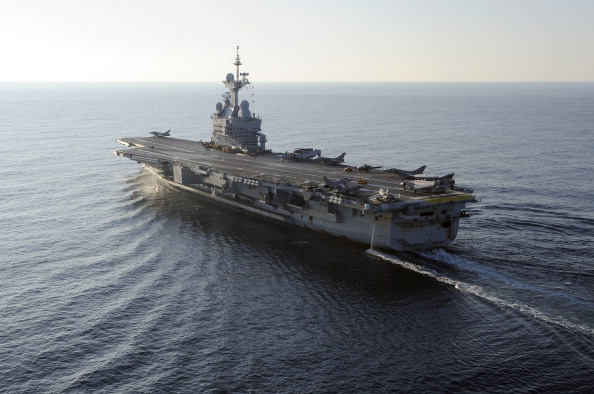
[(389, 209)]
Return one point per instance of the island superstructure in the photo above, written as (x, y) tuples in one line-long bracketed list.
[(388, 209), (233, 124)]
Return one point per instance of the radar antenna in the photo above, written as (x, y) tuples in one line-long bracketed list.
[(237, 64)]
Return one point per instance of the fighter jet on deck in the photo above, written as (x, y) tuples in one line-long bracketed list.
[(339, 184), (301, 154), (333, 160), (162, 135), (406, 173)]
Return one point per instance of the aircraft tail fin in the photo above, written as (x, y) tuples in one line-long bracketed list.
[(419, 170)]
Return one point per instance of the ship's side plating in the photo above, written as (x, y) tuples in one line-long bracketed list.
[(380, 220)]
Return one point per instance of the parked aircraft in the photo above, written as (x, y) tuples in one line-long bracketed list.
[(405, 172), (351, 190), (339, 184), (435, 184), (367, 168), (157, 134), (333, 160), (301, 154)]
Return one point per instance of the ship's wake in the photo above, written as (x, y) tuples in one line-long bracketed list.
[(485, 294)]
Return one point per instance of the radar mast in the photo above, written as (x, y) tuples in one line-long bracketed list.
[(233, 123), (234, 84), (237, 64)]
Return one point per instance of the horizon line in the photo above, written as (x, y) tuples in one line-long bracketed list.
[(281, 81)]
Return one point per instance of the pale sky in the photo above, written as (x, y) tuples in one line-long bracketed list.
[(298, 40)]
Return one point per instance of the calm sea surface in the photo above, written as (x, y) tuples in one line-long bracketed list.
[(110, 281)]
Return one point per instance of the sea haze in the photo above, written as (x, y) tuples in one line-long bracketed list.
[(112, 281)]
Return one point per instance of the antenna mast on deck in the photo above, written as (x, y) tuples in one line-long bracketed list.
[(237, 64)]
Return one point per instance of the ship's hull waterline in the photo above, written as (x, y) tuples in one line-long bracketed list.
[(379, 234)]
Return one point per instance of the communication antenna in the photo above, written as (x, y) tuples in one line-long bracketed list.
[(237, 63)]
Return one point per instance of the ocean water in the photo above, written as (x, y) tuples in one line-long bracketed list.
[(110, 281)]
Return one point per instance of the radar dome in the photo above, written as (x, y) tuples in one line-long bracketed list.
[(245, 109), (230, 77)]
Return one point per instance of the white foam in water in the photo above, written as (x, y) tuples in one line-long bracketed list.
[(478, 291), (418, 269)]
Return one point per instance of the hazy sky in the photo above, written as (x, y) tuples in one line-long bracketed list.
[(297, 40)]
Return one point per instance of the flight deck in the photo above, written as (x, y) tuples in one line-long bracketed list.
[(264, 166)]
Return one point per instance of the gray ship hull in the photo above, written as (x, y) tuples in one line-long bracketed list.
[(288, 192)]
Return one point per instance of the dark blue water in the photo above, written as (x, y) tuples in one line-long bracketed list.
[(110, 281)]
